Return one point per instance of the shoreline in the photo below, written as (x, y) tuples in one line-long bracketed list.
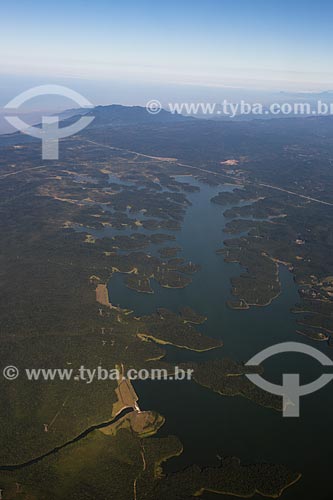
[(146, 337), (251, 495)]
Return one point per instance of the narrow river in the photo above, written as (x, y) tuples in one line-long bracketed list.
[(84, 434)]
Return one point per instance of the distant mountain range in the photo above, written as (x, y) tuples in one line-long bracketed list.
[(112, 115), (118, 115)]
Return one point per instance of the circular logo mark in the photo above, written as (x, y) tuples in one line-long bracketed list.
[(11, 373)]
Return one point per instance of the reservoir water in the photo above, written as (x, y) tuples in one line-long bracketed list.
[(210, 425)]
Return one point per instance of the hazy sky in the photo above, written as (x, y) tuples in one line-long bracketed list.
[(254, 44)]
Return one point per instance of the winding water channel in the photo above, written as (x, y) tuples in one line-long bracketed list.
[(83, 434)]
